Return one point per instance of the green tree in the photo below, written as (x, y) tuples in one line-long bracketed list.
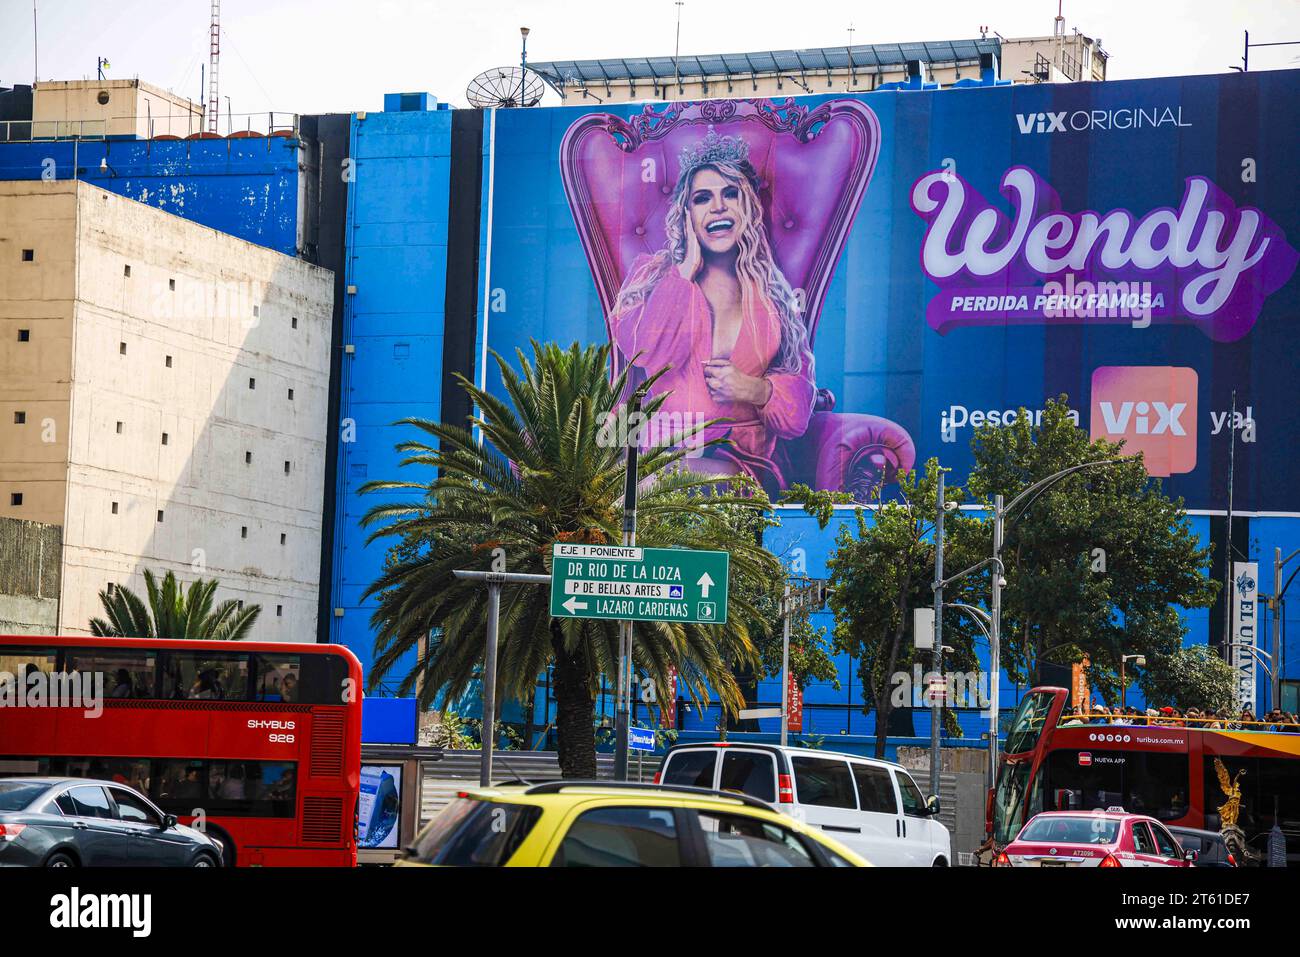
[(172, 612), (1097, 563), (881, 570), (548, 470), (1194, 677)]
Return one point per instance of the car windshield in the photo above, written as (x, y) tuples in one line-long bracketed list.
[(1093, 829), (471, 833), (16, 795)]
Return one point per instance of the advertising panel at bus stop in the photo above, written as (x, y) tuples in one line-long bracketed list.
[(907, 266)]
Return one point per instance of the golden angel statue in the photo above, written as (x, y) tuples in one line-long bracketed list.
[(1231, 788)]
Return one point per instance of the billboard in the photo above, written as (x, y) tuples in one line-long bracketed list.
[(852, 283)]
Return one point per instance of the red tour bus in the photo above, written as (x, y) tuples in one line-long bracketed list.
[(257, 743), (1180, 775)]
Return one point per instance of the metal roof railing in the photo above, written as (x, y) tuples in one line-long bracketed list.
[(174, 127)]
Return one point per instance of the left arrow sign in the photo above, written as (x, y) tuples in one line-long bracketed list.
[(572, 606)]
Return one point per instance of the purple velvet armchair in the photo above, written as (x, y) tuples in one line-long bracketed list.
[(813, 167)]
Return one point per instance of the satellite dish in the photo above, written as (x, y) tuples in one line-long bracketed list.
[(505, 87)]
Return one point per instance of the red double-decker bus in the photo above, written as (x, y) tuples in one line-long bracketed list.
[(258, 744), (1179, 774)]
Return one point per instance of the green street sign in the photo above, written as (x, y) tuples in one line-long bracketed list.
[(641, 584)]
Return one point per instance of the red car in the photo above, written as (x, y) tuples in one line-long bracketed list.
[(1110, 838)]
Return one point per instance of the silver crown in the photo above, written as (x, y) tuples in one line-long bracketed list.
[(715, 149)]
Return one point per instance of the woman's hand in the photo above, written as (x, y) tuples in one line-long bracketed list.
[(728, 384), (688, 267)]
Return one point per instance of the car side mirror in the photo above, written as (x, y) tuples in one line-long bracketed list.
[(1191, 856), (932, 804), (169, 822)]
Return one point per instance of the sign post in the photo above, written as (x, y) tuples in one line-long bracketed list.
[(627, 583)]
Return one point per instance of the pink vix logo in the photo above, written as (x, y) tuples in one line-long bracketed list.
[(1152, 409)]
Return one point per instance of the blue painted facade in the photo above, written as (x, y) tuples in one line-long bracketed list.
[(396, 262), (249, 188)]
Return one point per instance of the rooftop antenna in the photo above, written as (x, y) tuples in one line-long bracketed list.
[(214, 57), (1058, 27), (36, 50)]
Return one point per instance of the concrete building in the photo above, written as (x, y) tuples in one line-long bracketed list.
[(110, 108), (163, 397), (833, 69), (30, 562)]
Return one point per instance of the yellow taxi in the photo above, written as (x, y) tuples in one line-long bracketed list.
[(615, 824)]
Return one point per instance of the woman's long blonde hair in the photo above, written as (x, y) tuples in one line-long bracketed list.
[(760, 278)]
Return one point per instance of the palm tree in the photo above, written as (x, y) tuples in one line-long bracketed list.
[(172, 612), (544, 473)]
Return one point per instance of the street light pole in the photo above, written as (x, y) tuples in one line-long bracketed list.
[(1275, 606), (995, 638), (621, 717), (494, 581), (936, 652), (785, 666)]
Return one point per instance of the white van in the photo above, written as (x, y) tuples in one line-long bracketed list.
[(872, 806)]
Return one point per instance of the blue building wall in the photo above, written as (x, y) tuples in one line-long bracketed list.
[(396, 262), (249, 188)]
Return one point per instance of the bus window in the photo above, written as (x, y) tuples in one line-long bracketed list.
[(1028, 722), (204, 676), (1138, 781), (253, 788), (323, 680), (279, 678), (1009, 802), (181, 781), (17, 663), (126, 674), (133, 772)]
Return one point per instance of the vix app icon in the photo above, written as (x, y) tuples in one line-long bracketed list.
[(1153, 409)]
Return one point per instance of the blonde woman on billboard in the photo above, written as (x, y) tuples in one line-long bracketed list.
[(714, 307)]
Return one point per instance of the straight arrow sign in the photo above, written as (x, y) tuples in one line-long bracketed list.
[(705, 584)]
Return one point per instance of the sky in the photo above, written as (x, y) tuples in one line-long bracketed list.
[(319, 56)]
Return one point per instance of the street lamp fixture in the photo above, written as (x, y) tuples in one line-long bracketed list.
[(1001, 513), (1139, 661)]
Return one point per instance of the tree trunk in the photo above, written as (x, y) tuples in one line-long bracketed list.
[(574, 710)]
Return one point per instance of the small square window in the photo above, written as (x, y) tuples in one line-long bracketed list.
[(20, 418), (160, 515), (164, 438), (282, 538), (291, 395), (15, 498), (240, 604), (29, 255), (243, 531), (119, 428), (111, 588), (252, 383), (114, 508), (248, 458), (293, 323), (168, 361), (121, 348), (24, 335), (126, 271), (257, 311), (171, 284), (279, 611), (286, 468)]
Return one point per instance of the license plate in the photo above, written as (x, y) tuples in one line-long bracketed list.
[(1051, 863)]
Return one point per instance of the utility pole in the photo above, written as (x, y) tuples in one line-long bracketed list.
[(523, 66), (1227, 551), (936, 652), (494, 581), (621, 718), (995, 636), (785, 666), (677, 49)]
